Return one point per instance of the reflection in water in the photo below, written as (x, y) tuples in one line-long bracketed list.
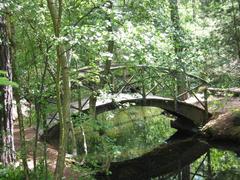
[(165, 159), (123, 136), (126, 134)]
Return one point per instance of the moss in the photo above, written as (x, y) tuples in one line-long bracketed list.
[(236, 111)]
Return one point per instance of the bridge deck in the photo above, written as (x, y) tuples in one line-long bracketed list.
[(109, 102)]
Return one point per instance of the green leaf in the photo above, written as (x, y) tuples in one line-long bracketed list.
[(4, 81), (3, 72)]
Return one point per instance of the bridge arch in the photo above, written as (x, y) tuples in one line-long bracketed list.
[(181, 109)]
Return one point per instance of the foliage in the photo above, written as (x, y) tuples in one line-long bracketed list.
[(17, 173), (125, 133), (143, 33), (5, 82), (11, 173)]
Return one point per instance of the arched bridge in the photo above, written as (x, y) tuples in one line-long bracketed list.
[(110, 102), (153, 86), (178, 108)]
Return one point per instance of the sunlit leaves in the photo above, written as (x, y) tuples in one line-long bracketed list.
[(6, 82)]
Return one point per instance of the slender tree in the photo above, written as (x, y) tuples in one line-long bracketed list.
[(194, 9), (236, 29), (107, 64), (16, 94), (178, 48), (63, 89), (178, 45), (110, 42)]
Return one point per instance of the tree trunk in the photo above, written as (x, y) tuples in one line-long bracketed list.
[(23, 150), (178, 47), (7, 150), (38, 101), (110, 49), (238, 6), (92, 105), (45, 156), (38, 119), (194, 9), (65, 110), (107, 67), (236, 30), (16, 93), (63, 91), (72, 139)]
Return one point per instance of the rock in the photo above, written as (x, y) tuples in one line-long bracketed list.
[(225, 126)]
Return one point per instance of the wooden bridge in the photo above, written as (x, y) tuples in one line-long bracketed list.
[(188, 111), (154, 87), (161, 92)]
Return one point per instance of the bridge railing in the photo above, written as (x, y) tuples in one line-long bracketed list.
[(148, 80)]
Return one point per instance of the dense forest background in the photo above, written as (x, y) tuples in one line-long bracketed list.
[(56, 52)]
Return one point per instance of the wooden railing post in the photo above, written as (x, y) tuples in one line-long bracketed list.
[(205, 104), (176, 95), (209, 166), (79, 93), (143, 86), (112, 82)]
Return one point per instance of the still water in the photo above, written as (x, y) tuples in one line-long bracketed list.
[(129, 133)]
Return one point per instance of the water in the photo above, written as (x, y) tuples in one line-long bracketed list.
[(129, 133)]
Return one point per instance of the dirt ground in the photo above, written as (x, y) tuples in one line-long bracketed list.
[(51, 152)]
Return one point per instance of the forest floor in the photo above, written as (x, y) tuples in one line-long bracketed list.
[(217, 105), (52, 153)]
